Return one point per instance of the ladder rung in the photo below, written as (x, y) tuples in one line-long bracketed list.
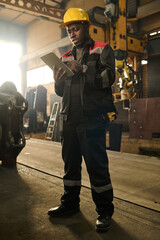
[(52, 125), (48, 138)]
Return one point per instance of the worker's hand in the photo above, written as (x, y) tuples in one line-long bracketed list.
[(59, 75), (75, 66)]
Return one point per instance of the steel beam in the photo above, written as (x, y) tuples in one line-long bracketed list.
[(148, 9), (34, 7)]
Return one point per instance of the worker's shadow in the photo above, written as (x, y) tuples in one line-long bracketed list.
[(14, 205), (81, 228)]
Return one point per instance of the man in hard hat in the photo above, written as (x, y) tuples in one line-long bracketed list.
[(86, 107)]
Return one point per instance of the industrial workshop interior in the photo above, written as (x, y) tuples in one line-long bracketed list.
[(32, 164)]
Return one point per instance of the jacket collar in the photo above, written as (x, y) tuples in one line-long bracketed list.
[(89, 44)]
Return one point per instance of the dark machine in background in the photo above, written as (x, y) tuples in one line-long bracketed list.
[(12, 140), (35, 119)]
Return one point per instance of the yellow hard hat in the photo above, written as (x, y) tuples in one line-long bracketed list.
[(74, 15)]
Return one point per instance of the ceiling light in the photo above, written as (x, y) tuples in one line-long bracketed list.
[(153, 33), (143, 62)]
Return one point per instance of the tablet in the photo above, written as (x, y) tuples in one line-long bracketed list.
[(52, 60)]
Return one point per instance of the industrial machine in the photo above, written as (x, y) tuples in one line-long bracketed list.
[(114, 26), (12, 108), (35, 118), (117, 25), (127, 81)]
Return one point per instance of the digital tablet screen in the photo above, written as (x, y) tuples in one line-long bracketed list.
[(52, 60)]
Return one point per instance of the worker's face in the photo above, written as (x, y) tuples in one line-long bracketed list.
[(78, 33)]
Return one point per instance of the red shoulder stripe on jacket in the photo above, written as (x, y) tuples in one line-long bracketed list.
[(67, 54), (98, 48), (99, 44)]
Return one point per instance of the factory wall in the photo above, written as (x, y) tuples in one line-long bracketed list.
[(40, 33)]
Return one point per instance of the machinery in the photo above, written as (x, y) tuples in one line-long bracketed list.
[(127, 81), (120, 29), (114, 25), (35, 117), (12, 108), (123, 36)]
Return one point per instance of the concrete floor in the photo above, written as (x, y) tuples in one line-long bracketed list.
[(26, 195)]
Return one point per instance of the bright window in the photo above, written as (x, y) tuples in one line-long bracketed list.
[(10, 54), (38, 76)]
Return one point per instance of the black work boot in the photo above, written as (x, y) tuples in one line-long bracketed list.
[(62, 210), (103, 223)]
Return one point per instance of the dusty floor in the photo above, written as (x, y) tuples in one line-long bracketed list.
[(26, 195), (134, 177)]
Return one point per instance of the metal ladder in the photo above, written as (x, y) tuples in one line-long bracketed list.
[(51, 129)]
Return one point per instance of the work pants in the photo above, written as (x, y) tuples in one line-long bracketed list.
[(88, 139)]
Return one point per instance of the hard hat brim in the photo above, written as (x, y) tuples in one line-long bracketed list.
[(64, 25)]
